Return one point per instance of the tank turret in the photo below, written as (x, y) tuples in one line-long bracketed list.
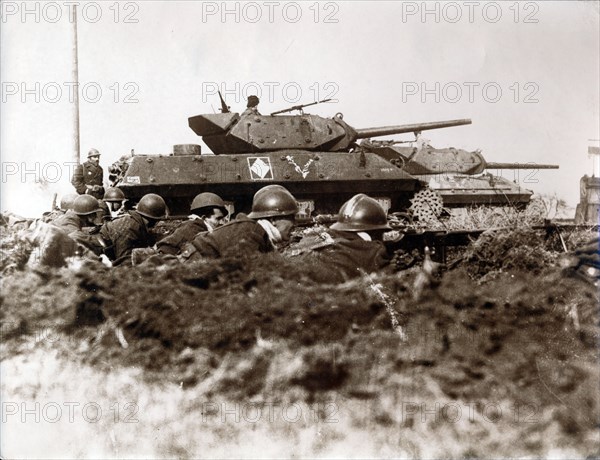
[(457, 175), (430, 160), (250, 132)]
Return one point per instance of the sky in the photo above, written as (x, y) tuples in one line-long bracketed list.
[(526, 73)]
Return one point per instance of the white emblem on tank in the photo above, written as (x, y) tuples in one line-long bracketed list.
[(304, 170), (260, 168)]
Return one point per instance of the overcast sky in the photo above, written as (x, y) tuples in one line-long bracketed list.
[(526, 73)]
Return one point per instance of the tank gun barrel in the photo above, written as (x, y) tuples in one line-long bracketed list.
[(493, 165), (412, 128)]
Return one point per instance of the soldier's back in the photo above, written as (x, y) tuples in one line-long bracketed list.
[(346, 256), (69, 222), (123, 234), (185, 233), (240, 237)]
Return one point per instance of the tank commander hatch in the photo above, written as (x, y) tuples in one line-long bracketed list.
[(252, 106)]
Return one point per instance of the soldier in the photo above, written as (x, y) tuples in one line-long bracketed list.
[(87, 177), (66, 203), (132, 230), (208, 212), (114, 199), (352, 246), (82, 215), (252, 106), (269, 224)]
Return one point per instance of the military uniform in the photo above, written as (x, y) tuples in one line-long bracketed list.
[(55, 246), (340, 256), (250, 111), (173, 244), (124, 234), (51, 216), (252, 106), (88, 174), (240, 237), (104, 214), (70, 223)]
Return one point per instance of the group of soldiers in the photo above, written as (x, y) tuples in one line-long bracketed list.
[(106, 228), (99, 224)]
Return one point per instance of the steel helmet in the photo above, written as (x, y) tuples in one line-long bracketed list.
[(208, 200), (93, 153), (361, 213), (85, 205), (273, 201), (66, 202), (114, 194), (152, 206)]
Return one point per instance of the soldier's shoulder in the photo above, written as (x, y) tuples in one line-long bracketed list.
[(193, 224), (120, 221), (242, 220)]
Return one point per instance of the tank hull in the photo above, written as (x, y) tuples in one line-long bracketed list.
[(462, 190), (457, 175), (321, 181)]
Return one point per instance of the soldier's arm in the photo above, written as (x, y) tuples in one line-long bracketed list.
[(185, 233), (206, 246), (70, 228), (77, 180), (90, 242)]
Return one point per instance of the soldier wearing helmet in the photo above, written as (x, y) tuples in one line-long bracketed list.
[(66, 203), (269, 224), (88, 177), (352, 246), (114, 200), (83, 214), (132, 230), (208, 212), (252, 106)]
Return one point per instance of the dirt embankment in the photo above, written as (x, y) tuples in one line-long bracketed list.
[(506, 332)]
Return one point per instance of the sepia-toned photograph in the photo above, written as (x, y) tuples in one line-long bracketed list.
[(299, 229)]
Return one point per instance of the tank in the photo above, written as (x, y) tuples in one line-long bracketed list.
[(459, 177), (318, 159)]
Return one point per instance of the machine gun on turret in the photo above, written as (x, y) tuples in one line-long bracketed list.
[(299, 107)]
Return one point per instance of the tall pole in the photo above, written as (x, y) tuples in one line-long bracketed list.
[(75, 75)]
